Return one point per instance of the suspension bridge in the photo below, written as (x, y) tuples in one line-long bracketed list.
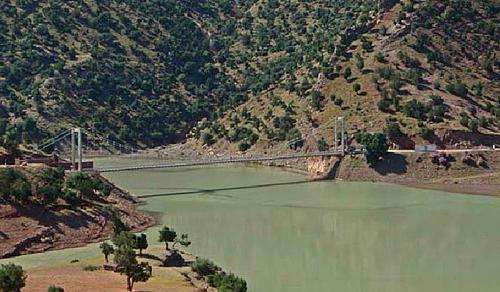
[(76, 150)]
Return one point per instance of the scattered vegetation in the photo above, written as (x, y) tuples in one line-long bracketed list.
[(48, 186)]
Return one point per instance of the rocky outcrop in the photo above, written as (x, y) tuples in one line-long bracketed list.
[(320, 168)]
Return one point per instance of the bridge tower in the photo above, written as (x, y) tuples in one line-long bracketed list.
[(76, 154), (339, 125)]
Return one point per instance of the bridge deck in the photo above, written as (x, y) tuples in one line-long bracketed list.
[(218, 161)]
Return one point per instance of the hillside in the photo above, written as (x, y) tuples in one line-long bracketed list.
[(134, 70), (240, 75), (43, 209), (423, 71)]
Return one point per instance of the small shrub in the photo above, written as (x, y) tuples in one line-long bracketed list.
[(356, 87), (415, 109), (227, 282), (71, 198), (392, 129), (243, 146), (483, 122), (91, 268), (473, 125), (323, 145), (208, 139), (437, 84), (384, 105), (464, 120), (55, 289), (204, 267), (425, 132), (380, 57), (457, 88), (347, 73)]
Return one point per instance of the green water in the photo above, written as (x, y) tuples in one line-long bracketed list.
[(282, 233)]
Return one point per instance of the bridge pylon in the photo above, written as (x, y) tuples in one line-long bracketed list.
[(76, 152), (339, 125)]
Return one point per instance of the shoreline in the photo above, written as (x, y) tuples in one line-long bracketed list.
[(449, 184)]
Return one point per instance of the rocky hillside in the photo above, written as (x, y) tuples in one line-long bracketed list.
[(248, 74), (422, 71)]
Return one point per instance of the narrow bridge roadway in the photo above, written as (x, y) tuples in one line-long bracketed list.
[(217, 161)]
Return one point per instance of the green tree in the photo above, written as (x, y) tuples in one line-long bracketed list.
[(126, 261), (106, 250), (425, 132), (244, 146), (14, 185), (323, 145), (360, 63), (52, 184), (338, 101), (124, 238), (464, 120), (141, 243), (379, 56), (294, 138), (204, 267), (81, 182), (384, 105), (208, 139), (457, 88), (392, 129), (375, 146), (316, 100), (483, 122), (12, 278), (347, 73), (415, 109), (473, 125), (167, 235), (356, 87)]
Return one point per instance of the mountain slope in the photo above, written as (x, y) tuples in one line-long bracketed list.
[(248, 74), (424, 71), (136, 70)]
